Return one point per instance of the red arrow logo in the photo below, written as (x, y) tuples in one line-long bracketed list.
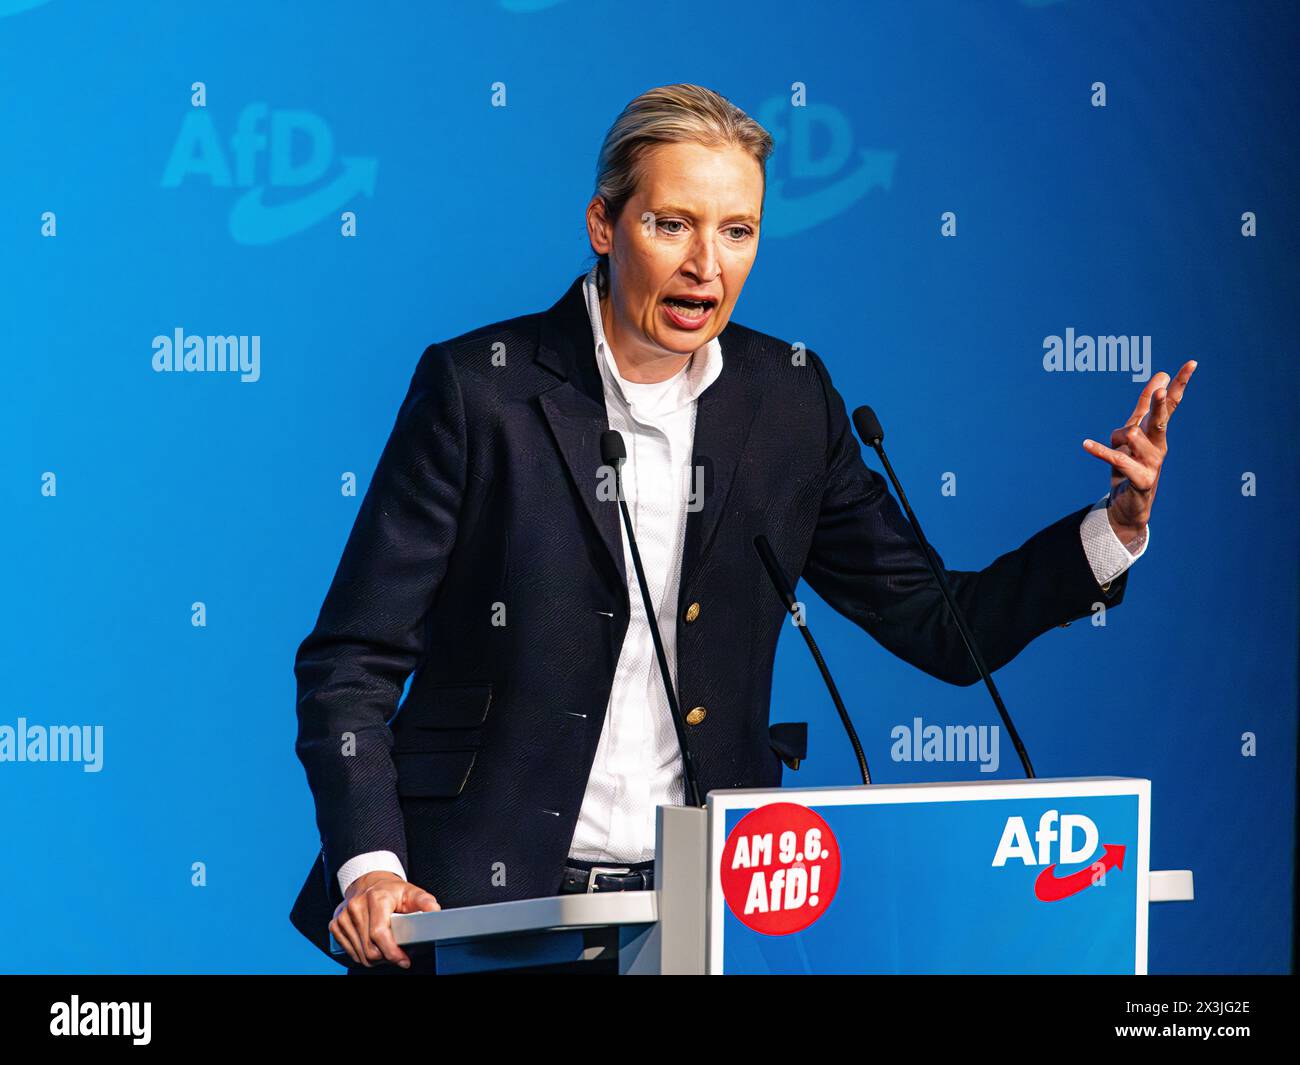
[(1051, 888)]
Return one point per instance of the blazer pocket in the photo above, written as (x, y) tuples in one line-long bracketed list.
[(437, 736), (432, 774), (445, 706), (789, 739)]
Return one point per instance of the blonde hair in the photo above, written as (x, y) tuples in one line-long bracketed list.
[(670, 114)]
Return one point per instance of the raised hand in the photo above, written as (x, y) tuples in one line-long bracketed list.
[(1137, 452)]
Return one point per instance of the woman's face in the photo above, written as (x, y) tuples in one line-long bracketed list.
[(689, 233)]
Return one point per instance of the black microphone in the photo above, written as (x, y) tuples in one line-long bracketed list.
[(868, 426), (786, 593), (612, 453)]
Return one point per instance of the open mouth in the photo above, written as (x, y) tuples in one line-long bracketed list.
[(687, 310)]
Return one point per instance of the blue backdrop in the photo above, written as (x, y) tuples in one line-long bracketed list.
[(131, 206)]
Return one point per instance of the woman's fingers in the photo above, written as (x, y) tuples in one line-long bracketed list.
[(1138, 443), (1144, 400), (1177, 387), (346, 934), (1158, 420), (381, 912), (1139, 475), (359, 905)]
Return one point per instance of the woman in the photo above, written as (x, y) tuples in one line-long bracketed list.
[(537, 741)]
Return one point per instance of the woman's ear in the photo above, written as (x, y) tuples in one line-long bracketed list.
[(600, 232)]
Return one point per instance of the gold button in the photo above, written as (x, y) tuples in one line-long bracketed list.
[(696, 715), (692, 612)]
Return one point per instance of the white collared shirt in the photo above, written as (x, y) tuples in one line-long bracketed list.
[(638, 766)]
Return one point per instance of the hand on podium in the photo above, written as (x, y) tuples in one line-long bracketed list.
[(361, 922)]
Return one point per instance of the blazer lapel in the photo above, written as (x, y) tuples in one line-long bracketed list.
[(723, 419), (575, 411)]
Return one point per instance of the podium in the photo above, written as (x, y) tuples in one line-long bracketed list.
[(1009, 876)]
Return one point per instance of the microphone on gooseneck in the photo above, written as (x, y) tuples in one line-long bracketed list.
[(786, 593), (868, 426), (612, 453)]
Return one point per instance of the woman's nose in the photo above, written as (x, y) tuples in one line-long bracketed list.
[(703, 262)]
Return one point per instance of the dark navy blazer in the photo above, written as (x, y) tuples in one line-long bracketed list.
[(484, 508)]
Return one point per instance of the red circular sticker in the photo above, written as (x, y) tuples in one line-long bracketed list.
[(780, 868)]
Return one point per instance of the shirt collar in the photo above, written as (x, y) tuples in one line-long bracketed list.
[(701, 371)]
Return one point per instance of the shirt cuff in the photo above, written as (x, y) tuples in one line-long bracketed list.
[(1107, 556), (370, 862)]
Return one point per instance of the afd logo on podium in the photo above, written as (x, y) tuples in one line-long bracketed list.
[(1048, 887), (282, 160)]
